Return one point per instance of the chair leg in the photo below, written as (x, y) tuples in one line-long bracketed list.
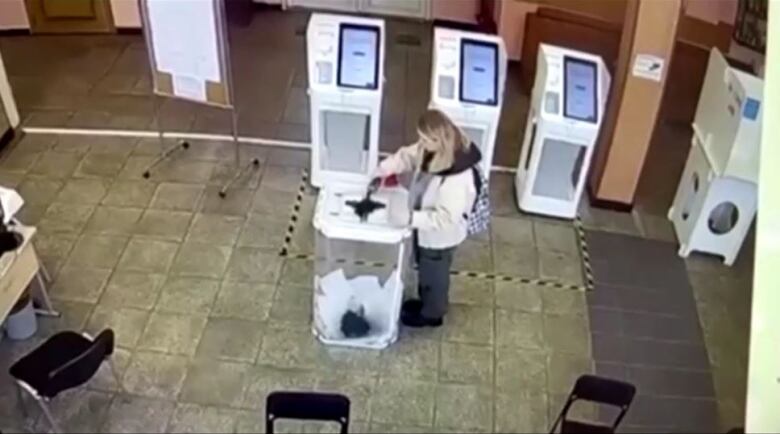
[(115, 373), (47, 413)]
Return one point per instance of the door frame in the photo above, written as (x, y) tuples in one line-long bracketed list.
[(103, 24)]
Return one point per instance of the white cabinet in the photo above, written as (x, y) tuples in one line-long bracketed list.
[(328, 5), (405, 8)]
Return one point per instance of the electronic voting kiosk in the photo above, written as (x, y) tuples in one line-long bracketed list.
[(567, 107), (469, 71), (345, 64)]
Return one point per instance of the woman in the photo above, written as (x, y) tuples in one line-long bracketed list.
[(443, 193)]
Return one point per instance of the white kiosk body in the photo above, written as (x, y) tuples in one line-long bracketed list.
[(359, 267), (567, 107), (467, 84), (346, 58), (716, 200)]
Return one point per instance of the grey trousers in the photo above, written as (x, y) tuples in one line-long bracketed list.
[(433, 268)]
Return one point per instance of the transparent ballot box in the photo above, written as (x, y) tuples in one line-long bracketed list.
[(359, 268)]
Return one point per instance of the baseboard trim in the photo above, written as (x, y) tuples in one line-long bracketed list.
[(468, 27), (128, 31), (609, 204), (7, 138), (15, 32)]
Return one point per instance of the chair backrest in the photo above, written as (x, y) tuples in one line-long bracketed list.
[(307, 406), (602, 391), (82, 367)]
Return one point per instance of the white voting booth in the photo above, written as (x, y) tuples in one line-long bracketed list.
[(717, 197), (359, 263), (346, 58), (567, 108), (467, 84)]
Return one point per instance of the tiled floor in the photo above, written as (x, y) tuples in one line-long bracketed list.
[(209, 318)]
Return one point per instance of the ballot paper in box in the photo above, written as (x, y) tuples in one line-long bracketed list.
[(359, 270)]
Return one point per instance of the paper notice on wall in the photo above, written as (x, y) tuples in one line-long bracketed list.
[(649, 67), (189, 87), (184, 38)]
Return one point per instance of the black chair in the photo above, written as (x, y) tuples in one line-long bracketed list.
[(307, 406), (65, 361), (599, 390)]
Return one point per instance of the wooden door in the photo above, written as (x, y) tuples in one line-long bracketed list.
[(70, 16), (328, 5)]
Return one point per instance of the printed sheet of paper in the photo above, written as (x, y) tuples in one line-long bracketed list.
[(184, 36)]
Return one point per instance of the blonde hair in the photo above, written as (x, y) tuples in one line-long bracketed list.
[(438, 134)]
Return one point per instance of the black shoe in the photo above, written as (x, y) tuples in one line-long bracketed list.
[(418, 321), (412, 306)]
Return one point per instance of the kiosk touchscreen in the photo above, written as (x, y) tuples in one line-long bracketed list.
[(469, 71), (567, 107), (345, 60)]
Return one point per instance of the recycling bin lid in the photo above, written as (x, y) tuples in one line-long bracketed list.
[(334, 217)]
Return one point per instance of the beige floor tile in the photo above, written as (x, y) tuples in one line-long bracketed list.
[(290, 348), (187, 295), (253, 265), (567, 334), (130, 193), (55, 164), (101, 251), (473, 256), (462, 363), (127, 323), (132, 289), (242, 300), (519, 296), (464, 407), (80, 284), (78, 410), (231, 339), (156, 375), (193, 418), (468, 290), (263, 231), (273, 202), (148, 255), (411, 358), (520, 370), (557, 237), (263, 380), (519, 329), (469, 324), (297, 272), (168, 225), (560, 267), (236, 203), (201, 259), (173, 333), (215, 229), (133, 414), (403, 402), (177, 197), (521, 413), (38, 189), (292, 307), (100, 166), (515, 231), (513, 260), (113, 220), (281, 178), (564, 302), (83, 191), (64, 217), (211, 382)]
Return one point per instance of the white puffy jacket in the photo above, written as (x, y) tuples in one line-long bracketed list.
[(442, 219)]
